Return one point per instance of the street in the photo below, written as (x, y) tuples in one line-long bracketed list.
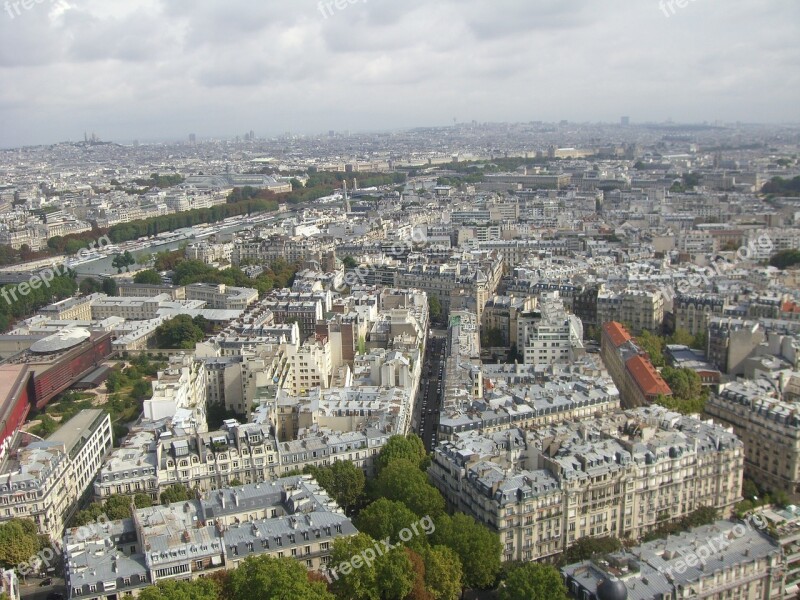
[(427, 409)]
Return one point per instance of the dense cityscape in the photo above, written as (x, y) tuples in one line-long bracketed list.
[(361, 301)]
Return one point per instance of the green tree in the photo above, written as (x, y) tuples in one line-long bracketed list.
[(681, 337), (47, 425), (179, 332), (587, 547), (90, 286), (142, 501), (175, 493), (385, 519), (267, 578), (109, 286), (443, 573), (395, 574), (205, 588), (785, 259), (700, 341), (402, 480), (346, 484), (410, 447), (355, 584), (90, 515), (141, 390), (349, 262), (434, 307), (18, 542), (684, 383), (148, 276), (477, 548), (118, 507), (123, 261), (534, 581), (653, 345)]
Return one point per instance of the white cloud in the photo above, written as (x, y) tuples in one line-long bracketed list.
[(155, 68)]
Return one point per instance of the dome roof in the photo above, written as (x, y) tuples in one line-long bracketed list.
[(63, 340), (612, 589)]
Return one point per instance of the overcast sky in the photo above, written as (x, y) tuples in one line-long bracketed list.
[(161, 69)]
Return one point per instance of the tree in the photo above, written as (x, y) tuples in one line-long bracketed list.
[(681, 337), (443, 574), (395, 574), (347, 484), (179, 332), (420, 590), (653, 345), (390, 575), (141, 390), (355, 584), (684, 383), (175, 493), (123, 261), (785, 259), (385, 519), (434, 307), (349, 262), (18, 542), (205, 588), (142, 501), (403, 481), (477, 548), (534, 581), (148, 276), (90, 286), (587, 547), (109, 287), (118, 507), (410, 447), (268, 578), (47, 425)]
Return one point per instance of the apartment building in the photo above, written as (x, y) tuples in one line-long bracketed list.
[(210, 253), (693, 312), (222, 296), (70, 309), (638, 381), (210, 461), (501, 314), (43, 480), (769, 428), (304, 309), (291, 517), (783, 525), (549, 335), (128, 289), (291, 249), (726, 559), (137, 308), (309, 366), (130, 469), (623, 474), (640, 309), (731, 342), (179, 393)]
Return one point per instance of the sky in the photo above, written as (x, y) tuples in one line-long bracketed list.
[(162, 69)]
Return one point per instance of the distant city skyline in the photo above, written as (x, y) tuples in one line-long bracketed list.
[(152, 70)]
